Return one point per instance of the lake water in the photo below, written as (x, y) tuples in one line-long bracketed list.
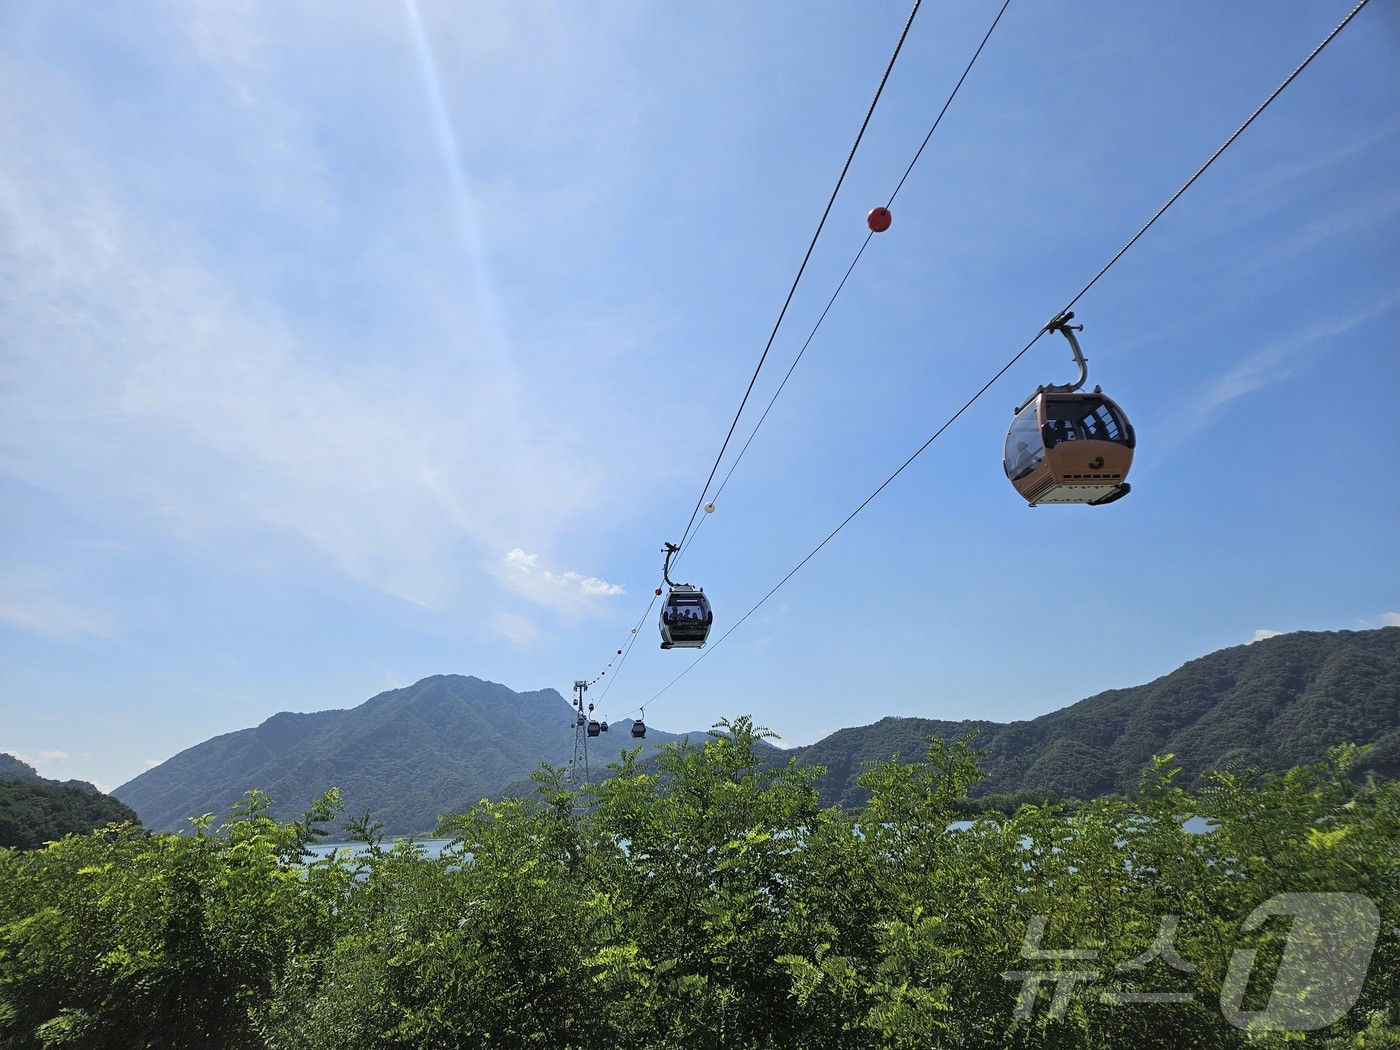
[(433, 847), (427, 847)]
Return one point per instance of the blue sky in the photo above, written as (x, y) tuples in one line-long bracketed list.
[(343, 347)]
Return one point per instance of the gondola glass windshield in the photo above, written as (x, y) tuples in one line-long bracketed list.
[(685, 618), (1024, 449)]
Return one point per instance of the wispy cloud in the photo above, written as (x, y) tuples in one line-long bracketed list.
[(1274, 364), (568, 592), (1263, 633), (170, 370), (54, 756), (45, 604), (1391, 619)]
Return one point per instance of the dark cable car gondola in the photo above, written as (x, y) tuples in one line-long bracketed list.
[(639, 727), (686, 615), (594, 728), (1066, 445)]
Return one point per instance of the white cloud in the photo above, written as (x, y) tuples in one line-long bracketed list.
[(150, 763), (568, 592), (173, 362), (590, 585), (1391, 619), (54, 756), (178, 378), (1264, 632)]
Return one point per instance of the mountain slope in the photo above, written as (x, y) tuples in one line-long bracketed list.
[(1273, 704), (407, 755), (410, 755), (14, 768), (35, 810)]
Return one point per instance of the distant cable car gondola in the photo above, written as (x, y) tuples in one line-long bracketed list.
[(1068, 446), (686, 615), (594, 728), (639, 729)]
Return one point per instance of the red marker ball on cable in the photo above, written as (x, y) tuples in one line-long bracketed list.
[(879, 219)]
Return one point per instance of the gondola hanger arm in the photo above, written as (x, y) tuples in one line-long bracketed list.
[(671, 550), (1062, 325)]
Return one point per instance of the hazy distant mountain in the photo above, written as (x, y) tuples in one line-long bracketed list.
[(1273, 704), (408, 755), (35, 810)]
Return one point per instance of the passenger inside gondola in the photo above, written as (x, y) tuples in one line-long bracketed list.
[(686, 615), (1024, 449)]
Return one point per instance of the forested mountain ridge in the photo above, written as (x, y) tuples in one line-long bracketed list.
[(439, 746), (1271, 705), (14, 768), (407, 755), (35, 810)]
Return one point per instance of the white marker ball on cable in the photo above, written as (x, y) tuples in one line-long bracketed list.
[(710, 507)]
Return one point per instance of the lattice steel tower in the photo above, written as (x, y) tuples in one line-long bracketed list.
[(578, 765)]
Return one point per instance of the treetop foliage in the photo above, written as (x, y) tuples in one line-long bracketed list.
[(709, 899), (32, 813)]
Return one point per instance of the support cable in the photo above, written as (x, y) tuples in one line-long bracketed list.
[(1223, 147), (1021, 353), (864, 244), (800, 271)]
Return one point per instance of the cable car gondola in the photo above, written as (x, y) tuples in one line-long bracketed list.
[(639, 729), (1066, 445), (686, 615)]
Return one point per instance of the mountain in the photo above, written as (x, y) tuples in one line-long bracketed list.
[(411, 755), (407, 755), (1273, 704), (15, 768), (35, 810)]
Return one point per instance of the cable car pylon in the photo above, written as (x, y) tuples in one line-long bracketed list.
[(581, 734)]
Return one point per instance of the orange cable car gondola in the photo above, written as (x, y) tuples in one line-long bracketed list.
[(686, 616), (1066, 445)]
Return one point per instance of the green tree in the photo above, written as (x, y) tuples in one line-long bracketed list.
[(122, 939)]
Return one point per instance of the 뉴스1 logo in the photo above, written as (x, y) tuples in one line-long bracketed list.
[(1325, 959), (1324, 962)]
